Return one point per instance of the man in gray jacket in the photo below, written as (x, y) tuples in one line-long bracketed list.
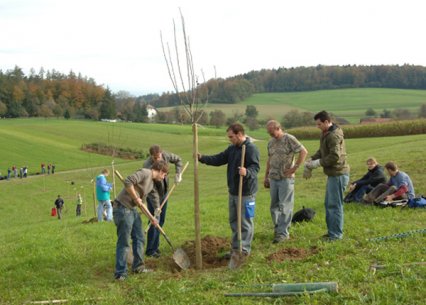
[(332, 157), (232, 157), (154, 200), (127, 219)]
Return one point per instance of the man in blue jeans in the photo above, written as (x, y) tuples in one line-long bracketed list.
[(332, 157), (232, 157), (127, 219)]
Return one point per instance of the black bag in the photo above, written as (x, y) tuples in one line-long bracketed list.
[(305, 214)]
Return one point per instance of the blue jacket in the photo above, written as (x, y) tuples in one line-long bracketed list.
[(102, 188), (232, 157)]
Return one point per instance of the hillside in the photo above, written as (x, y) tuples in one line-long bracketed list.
[(46, 259), (350, 104)]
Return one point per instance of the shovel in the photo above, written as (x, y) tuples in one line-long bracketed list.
[(237, 258), (179, 256)]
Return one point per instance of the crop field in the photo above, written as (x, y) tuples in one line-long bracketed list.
[(43, 258), (350, 104)]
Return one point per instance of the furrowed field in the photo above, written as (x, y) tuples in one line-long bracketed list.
[(42, 258)]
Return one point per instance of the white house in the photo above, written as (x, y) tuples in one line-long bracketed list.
[(152, 112)]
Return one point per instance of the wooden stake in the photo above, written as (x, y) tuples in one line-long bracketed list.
[(198, 256), (240, 199)]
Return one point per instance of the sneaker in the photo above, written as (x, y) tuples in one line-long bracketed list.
[(280, 239), (141, 269), (327, 237), (154, 255), (120, 278)]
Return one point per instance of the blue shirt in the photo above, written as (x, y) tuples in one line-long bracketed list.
[(401, 179), (102, 188)]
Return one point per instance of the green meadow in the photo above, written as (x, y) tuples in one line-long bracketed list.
[(350, 104), (42, 258)]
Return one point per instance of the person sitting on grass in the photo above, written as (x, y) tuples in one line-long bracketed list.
[(398, 187), (374, 176)]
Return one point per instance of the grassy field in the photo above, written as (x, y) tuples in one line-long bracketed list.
[(46, 259), (350, 104)]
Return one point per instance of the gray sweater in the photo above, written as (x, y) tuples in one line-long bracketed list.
[(142, 182)]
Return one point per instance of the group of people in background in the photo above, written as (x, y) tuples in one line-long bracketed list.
[(374, 188), (50, 168), (12, 172), (22, 172)]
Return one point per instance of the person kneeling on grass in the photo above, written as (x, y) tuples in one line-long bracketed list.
[(127, 219), (398, 187), (370, 180)]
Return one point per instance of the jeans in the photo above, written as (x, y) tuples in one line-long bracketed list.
[(129, 225), (358, 193), (107, 205), (153, 236), (282, 203), (379, 193), (247, 223), (78, 210), (59, 212), (335, 188)]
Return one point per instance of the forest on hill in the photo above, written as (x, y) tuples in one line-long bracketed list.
[(54, 94)]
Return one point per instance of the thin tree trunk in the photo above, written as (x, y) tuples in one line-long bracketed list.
[(198, 257)]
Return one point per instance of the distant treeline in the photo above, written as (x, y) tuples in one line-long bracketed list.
[(237, 88), (50, 93)]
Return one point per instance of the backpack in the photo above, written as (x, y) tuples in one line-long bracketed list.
[(305, 214), (419, 202)]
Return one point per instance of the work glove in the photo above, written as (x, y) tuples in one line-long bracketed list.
[(307, 173), (313, 164), (178, 178), (157, 212)]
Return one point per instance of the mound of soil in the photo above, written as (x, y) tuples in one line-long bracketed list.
[(291, 254), (212, 250)]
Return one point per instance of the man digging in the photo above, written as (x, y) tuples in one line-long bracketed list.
[(127, 219), (232, 157)]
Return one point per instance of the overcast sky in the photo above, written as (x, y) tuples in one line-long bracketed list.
[(117, 43)]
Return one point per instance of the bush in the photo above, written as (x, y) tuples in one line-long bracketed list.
[(388, 129), (109, 150)]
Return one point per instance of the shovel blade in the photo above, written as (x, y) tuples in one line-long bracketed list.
[(237, 259), (181, 259)]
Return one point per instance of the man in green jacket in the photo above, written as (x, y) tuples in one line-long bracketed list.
[(332, 157)]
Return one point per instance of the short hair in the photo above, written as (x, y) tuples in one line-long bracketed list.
[(372, 159), (391, 166), (274, 124), (322, 116), (105, 171), (160, 166), (154, 149), (236, 128)]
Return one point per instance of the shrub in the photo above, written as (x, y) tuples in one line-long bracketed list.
[(109, 150), (387, 129)]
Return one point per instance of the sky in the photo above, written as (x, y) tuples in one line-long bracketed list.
[(117, 43)]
